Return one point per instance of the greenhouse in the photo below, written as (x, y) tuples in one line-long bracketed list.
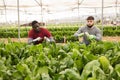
[(60, 39)]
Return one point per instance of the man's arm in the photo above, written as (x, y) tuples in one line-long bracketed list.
[(98, 35), (50, 39), (30, 37), (31, 40), (78, 33)]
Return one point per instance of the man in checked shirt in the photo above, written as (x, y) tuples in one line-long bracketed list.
[(89, 32)]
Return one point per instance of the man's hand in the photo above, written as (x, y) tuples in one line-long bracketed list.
[(37, 39), (47, 39), (90, 37), (81, 34), (31, 40), (87, 34), (50, 39)]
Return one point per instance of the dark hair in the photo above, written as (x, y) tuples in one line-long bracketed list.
[(34, 22), (90, 18)]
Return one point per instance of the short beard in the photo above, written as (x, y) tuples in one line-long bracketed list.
[(38, 31), (90, 26)]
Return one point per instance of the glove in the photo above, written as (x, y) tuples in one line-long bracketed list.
[(37, 39), (90, 37), (47, 39), (81, 34), (87, 34)]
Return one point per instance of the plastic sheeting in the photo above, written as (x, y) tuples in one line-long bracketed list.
[(55, 9)]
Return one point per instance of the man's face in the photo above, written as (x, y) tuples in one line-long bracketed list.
[(90, 23), (36, 27)]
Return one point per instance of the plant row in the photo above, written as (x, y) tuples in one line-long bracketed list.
[(73, 61)]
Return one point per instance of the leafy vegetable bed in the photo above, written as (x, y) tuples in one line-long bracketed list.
[(71, 61)]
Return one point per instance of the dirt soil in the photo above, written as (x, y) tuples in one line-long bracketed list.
[(110, 39)]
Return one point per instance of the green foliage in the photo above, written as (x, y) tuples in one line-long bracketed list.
[(59, 33), (50, 61)]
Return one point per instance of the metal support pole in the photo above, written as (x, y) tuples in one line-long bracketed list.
[(95, 12), (41, 11), (102, 15), (79, 3), (78, 8), (116, 14), (18, 20), (78, 12), (41, 5), (5, 11)]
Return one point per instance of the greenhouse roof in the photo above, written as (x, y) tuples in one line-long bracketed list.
[(55, 9)]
